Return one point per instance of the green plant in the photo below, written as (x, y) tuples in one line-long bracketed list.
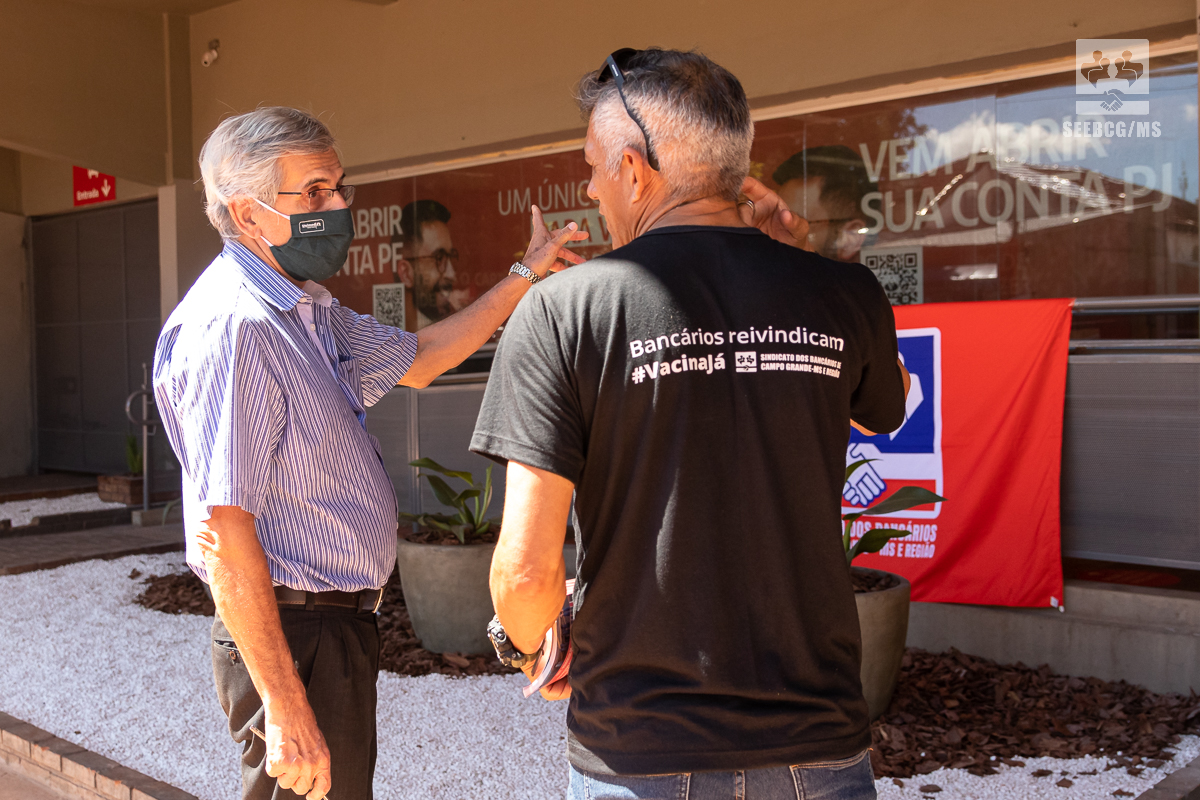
[(873, 541), (133, 455), (469, 521), (167, 508)]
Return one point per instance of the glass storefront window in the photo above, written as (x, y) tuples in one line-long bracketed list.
[(1003, 192), (991, 193)]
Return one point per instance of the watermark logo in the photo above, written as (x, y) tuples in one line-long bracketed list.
[(1114, 75)]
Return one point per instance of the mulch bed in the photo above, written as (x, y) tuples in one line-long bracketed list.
[(400, 652), (950, 709), (958, 711), (175, 594)]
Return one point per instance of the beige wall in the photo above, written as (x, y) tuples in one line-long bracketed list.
[(407, 79), (16, 390), (86, 85), (46, 187)]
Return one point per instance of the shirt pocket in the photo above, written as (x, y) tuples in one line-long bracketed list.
[(349, 372)]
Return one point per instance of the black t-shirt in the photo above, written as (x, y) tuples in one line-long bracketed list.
[(697, 387)]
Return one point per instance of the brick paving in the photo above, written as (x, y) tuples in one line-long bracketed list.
[(46, 551)]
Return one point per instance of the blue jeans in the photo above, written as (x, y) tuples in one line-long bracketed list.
[(848, 779)]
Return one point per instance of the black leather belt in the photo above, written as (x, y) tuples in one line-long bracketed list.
[(366, 601)]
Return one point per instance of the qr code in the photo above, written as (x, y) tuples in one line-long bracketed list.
[(387, 303), (899, 270)]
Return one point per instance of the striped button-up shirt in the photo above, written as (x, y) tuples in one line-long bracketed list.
[(262, 389)]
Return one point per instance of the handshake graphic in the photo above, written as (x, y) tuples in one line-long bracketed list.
[(1115, 101), (865, 484)]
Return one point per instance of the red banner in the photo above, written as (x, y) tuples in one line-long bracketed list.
[(984, 430)]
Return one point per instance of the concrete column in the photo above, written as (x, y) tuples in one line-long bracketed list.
[(186, 242)]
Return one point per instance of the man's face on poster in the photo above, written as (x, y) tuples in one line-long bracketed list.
[(432, 259), (833, 235)]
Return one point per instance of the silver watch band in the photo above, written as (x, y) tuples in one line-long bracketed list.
[(525, 272)]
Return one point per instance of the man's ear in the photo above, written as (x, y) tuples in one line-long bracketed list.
[(850, 241), (242, 210), (636, 172), (404, 271)]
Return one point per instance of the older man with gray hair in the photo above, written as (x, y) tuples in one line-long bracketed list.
[(694, 389), (262, 380)]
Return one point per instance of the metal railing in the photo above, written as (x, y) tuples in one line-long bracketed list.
[(147, 425), (1149, 304)]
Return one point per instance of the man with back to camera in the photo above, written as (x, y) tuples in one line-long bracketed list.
[(262, 380), (695, 389), (826, 185)]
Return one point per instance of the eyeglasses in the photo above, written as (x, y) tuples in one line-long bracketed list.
[(613, 68), (316, 199), (441, 258)]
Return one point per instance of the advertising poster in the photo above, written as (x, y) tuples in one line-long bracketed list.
[(427, 246)]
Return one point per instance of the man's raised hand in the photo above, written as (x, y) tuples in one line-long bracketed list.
[(547, 247), (767, 212)]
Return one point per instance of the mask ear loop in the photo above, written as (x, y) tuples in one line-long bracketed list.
[(268, 208)]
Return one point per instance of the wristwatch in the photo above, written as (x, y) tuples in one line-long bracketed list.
[(509, 656), (525, 272)]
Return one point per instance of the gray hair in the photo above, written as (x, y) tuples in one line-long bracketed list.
[(695, 111), (241, 158)]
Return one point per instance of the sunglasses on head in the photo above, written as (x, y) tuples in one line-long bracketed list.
[(614, 69)]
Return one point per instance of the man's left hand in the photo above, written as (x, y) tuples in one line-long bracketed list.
[(559, 690), (767, 212)]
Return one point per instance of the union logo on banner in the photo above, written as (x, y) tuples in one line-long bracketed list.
[(912, 454)]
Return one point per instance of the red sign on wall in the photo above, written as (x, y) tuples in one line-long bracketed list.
[(90, 186)]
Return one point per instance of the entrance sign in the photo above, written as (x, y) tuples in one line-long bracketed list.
[(90, 186), (983, 428)]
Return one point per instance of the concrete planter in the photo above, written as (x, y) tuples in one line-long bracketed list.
[(446, 591), (883, 619)]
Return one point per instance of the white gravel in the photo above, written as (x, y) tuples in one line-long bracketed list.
[(86, 664), (22, 512), (1018, 783)]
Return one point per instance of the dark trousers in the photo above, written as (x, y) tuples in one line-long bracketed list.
[(337, 655)]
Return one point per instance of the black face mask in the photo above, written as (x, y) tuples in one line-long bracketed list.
[(319, 245)]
